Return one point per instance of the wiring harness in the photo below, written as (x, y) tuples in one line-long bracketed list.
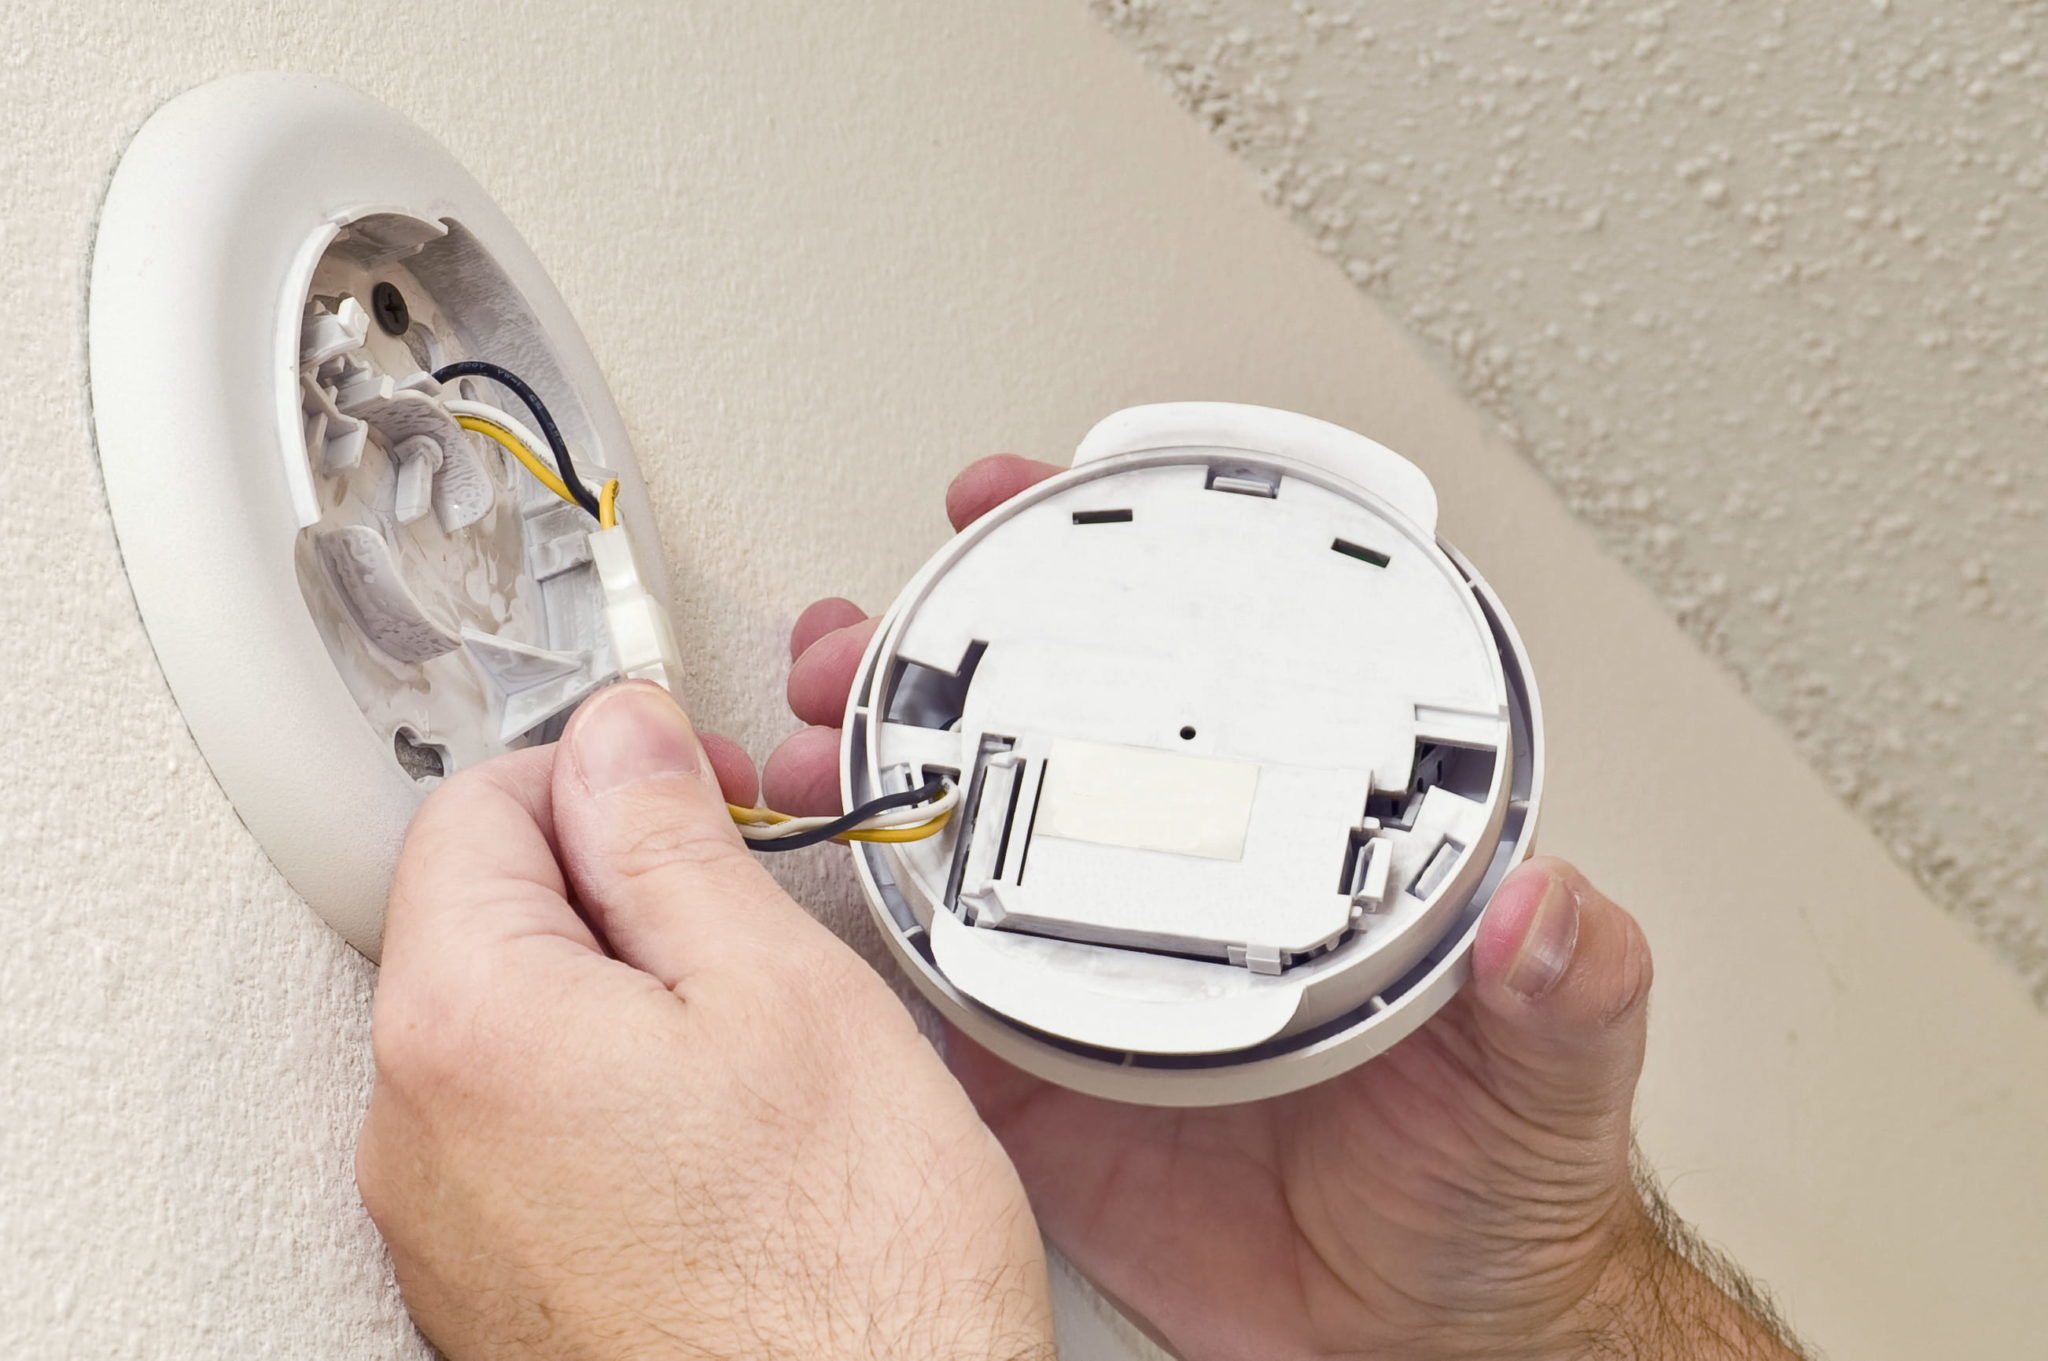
[(911, 815)]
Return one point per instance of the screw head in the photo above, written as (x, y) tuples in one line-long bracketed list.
[(387, 305)]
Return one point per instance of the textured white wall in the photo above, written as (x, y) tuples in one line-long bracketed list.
[(1759, 287), (827, 252)]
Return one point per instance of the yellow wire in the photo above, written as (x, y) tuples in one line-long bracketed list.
[(607, 518), (901, 834), (763, 817), (549, 478)]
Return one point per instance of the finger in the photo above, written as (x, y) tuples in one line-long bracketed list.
[(644, 835), (987, 483), (802, 775), (820, 679), (819, 618), (998, 1088), (1561, 977), (734, 769), (478, 868)]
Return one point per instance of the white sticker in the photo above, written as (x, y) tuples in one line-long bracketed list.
[(1146, 800)]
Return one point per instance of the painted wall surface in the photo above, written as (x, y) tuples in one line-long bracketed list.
[(827, 253), (1759, 287)]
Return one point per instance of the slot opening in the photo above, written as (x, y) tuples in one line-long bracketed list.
[(1244, 479), (1361, 552), (926, 697), (419, 760)]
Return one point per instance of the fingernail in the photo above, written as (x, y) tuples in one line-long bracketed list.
[(1547, 943), (631, 733)]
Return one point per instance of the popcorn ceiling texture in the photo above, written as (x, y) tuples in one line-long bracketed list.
[(1760, 288)]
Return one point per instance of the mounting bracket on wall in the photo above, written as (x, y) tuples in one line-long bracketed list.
[(316, 347)]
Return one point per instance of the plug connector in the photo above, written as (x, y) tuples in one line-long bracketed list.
[(643, 639)]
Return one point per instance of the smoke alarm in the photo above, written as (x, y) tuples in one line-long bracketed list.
[(1243, 750)]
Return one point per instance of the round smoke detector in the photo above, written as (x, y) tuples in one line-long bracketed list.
[(1244, 750)]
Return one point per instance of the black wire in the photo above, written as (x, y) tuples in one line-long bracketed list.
[(552, 433), (924, 793)]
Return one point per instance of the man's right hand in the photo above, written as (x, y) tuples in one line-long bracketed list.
[(1468, 1194)]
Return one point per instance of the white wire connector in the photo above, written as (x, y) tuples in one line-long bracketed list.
[(643, 640)]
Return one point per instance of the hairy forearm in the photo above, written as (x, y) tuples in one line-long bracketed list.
[(1666, 1295)]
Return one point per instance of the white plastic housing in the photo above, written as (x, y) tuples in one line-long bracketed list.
[(1244, 752), (347, 592)]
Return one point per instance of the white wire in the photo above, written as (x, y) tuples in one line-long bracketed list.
[(915, 816), (462, 406)]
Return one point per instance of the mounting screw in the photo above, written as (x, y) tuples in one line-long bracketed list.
[(387, 304)]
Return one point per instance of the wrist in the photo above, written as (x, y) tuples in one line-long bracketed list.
[(1662, 1293)]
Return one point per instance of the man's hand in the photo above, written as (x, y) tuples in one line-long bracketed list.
[(682, 1121), (1468, 1194)]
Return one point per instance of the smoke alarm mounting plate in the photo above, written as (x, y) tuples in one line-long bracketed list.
[(350, 585)]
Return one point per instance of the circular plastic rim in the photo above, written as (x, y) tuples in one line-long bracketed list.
[(211, 228), (1264, 1071)]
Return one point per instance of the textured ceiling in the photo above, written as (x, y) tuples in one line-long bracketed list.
[(1760, 288)]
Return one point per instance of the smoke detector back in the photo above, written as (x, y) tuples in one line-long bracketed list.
[(1244, 749), (351, 592)]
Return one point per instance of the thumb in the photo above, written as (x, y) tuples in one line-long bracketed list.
[(1561, 982), (646, 841)]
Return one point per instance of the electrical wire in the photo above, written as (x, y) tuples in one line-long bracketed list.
[(498, 416), (765, 822), (761, 824), (786, 833), (911, 815), (552, 433), (921, 832), (518, 441), (510, 443), (853, 826)]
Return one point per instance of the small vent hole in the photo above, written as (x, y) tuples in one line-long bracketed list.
[(1361, 552), (1187, 734)]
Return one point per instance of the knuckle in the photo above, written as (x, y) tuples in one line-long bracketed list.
[(408, 1040), (447, 816), (1637, 972), (654, 842), (844, 992), (1621, 991), (448, 801), (450, 1036), (374, 1181), (826, 972)]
